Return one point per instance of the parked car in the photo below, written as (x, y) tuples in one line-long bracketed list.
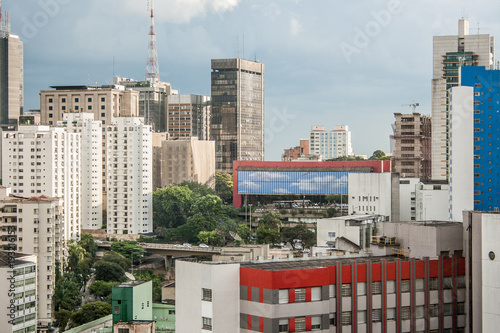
[(203, 246), (187, 245)]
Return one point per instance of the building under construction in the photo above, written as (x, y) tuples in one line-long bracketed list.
[(237, 125)]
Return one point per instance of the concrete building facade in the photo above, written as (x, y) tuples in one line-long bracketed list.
[(130, 176), (18, 306), (35, 225), (188, 116), (11, 79), (90, 165), (412, 138), (187, 159), (292, 154), (330, 144), (43, 160), (449, 54), (237, 125)]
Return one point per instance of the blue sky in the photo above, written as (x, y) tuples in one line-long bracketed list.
[(327, 62)]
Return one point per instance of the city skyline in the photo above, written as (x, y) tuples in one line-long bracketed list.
[(327, 63)]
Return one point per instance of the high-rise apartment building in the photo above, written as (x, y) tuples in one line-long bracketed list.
[(449, 54), (186, 159), (105, 102), (43, 160), (130, 177), (11, 78), (330, 144), (152, 100), (35, 225), (237, 125), (22, 300), (90, 165), (188, 116), (412, 153)]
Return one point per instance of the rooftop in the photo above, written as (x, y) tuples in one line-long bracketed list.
[(131, 283)]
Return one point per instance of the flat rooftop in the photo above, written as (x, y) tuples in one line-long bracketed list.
[(131, 283)]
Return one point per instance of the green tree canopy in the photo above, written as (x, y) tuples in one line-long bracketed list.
[(67, 292), (171, 206), (117, 258), (88, 244), (379, 155), (109, 271), (102, 288), (268, 231), (198, 189), (300, 231), (224, 186), (128, 249), (90, 312), (244, 233)]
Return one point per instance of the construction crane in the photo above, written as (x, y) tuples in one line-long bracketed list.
[(413, 106)]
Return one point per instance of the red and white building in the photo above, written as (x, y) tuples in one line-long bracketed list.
[(324, 294)]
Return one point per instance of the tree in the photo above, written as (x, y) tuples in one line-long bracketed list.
[(62, 317), (224, 186), (128, 249), (244, 233), (300, 231), (109, 271), (214, 238), (102, 288), (67, 292), (75, 253), (267, 235), (88, 244), (171, 206), (198, 189), (346, 158), (91, 311), (116, 258), (270, 220), (379, 155)]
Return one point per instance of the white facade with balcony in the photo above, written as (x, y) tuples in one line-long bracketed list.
[(330, 144), (130, 176), (90, 167), (42, 160)]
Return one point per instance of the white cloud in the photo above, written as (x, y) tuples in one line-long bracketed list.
[(180, 11), (247, 185), (295, 26), (281, 191), (268, 176)]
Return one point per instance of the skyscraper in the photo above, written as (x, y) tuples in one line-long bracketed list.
[(330, 144), (11, 74), (449, 54), (237, 125)]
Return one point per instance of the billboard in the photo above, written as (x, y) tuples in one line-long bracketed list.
[(292, 182)]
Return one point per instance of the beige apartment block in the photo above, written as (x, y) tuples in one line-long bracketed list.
[(105, 102), (412, 154), (449, 54), (187, 159)]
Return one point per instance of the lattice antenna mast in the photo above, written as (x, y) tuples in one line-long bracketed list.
[(4, 23), (152, 71)]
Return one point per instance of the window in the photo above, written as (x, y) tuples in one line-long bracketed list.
[(331, 290), (405, 286), (376, 287), (346, 290), (405, 312), (361, 288), (283, 325), (300, 295), (433, 283), (346, 318), (434, 310), (361, 317), (333, 319), (419, 284), (448, 283), (376, 315), (123, 330), (460, 308), (391, 314), (315, 323), (419, 312), (206, 294), (391, 287), (316, 294), (447, 309), (283, 296), (300, 324), (206, 323)]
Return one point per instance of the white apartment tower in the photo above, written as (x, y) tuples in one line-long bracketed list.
[(130, 176), (35, 225), (449, 54), (330, 144), (90, 165), (43, 160)]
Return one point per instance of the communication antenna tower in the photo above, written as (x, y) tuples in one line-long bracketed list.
[(4, 23), (413, 106), (152, 71)]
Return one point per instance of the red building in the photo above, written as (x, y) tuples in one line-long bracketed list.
[(273, 177)]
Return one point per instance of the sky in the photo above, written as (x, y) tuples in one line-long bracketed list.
[(327, 62)]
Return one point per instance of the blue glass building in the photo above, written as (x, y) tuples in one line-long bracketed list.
[(486, 84)]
